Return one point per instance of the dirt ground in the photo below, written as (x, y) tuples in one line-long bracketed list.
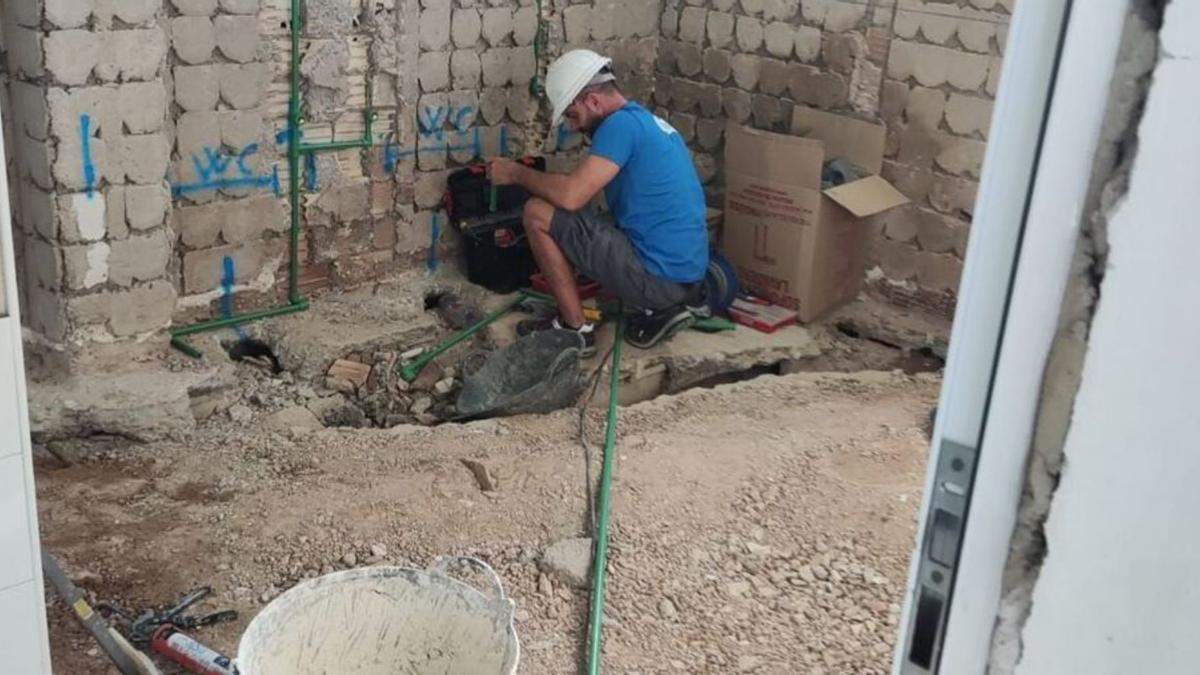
[(762, 527)]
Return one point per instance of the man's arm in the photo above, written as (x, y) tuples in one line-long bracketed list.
[(569, 192)]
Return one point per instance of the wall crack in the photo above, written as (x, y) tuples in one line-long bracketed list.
[(1138, 56)]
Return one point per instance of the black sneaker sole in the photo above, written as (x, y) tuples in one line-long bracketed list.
[(680, 321), (530, 326), (588, 351)]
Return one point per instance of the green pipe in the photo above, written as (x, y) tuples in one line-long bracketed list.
[(294, 157), (367, 140), (335, 145), (183, 346), (539, 39), (409, 372), (604, 508), (226, 322), (178, 334), (296, 302)]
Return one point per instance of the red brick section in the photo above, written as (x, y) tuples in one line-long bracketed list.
[(315, 278), (879, 41), (919, 299)]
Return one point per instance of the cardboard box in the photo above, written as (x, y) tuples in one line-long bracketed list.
[(792, 242)]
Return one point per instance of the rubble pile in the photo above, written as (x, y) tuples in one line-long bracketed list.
[(369, 392)]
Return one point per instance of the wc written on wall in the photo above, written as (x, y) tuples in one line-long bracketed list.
[(793, 242)]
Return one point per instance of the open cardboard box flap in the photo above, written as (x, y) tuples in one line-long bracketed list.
[(753, 153), (867, 196), (862, 143)]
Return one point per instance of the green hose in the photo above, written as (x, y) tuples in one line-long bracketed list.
[(604, 509)]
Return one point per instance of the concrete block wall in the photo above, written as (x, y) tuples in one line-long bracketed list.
[(228, 159), (86, 128), (148, 138), (941, 75), (471, 98), (927, 70), (148, 141)]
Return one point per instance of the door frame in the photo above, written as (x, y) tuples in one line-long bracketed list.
[(1045, 130), (24, 639)]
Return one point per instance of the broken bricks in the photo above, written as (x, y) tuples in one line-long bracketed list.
[(428, 377), (344, 372), (373, 396)]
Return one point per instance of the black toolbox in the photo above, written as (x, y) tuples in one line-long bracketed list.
[(496, 249)]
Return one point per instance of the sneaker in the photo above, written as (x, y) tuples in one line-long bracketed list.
[(696, 301), (587, 330), (648, 328)]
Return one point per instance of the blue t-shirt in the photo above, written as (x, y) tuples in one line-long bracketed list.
[(656, 198)]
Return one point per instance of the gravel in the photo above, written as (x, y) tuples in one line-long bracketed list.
[(760, 527)]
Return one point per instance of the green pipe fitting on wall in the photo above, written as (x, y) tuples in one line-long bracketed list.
[(367, 140), (296, 302)]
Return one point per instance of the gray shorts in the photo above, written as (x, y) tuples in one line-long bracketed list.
[(601, 252)]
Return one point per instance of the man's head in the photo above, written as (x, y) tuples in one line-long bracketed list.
[(582, 88), (592, 105)]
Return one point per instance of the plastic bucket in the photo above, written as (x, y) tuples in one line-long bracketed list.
[(384, 621)]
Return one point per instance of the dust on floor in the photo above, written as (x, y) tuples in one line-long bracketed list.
[(760, 527)]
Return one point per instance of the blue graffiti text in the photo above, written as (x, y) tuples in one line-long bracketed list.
[(218, 170), (89, 167)]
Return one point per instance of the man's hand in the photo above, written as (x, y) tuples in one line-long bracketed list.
[(503, 171), (566, 191)]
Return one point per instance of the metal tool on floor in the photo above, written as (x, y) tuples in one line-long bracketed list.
[(161, 631), (127, 659), (149, 621)]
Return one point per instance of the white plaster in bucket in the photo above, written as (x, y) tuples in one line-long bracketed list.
[(384, 621)]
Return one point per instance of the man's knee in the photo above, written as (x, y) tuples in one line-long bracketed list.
[(538, 215)]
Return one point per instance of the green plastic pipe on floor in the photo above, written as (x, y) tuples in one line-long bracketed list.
[(604, 510), (410, 372)]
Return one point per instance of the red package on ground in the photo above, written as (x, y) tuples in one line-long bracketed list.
[(761, 316)]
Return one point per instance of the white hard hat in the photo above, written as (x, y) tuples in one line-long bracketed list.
[(570, 73)]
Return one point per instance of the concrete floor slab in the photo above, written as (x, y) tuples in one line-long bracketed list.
[(689, 358)]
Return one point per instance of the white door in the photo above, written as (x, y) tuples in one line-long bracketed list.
[(23, 640), (1048, 117)]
